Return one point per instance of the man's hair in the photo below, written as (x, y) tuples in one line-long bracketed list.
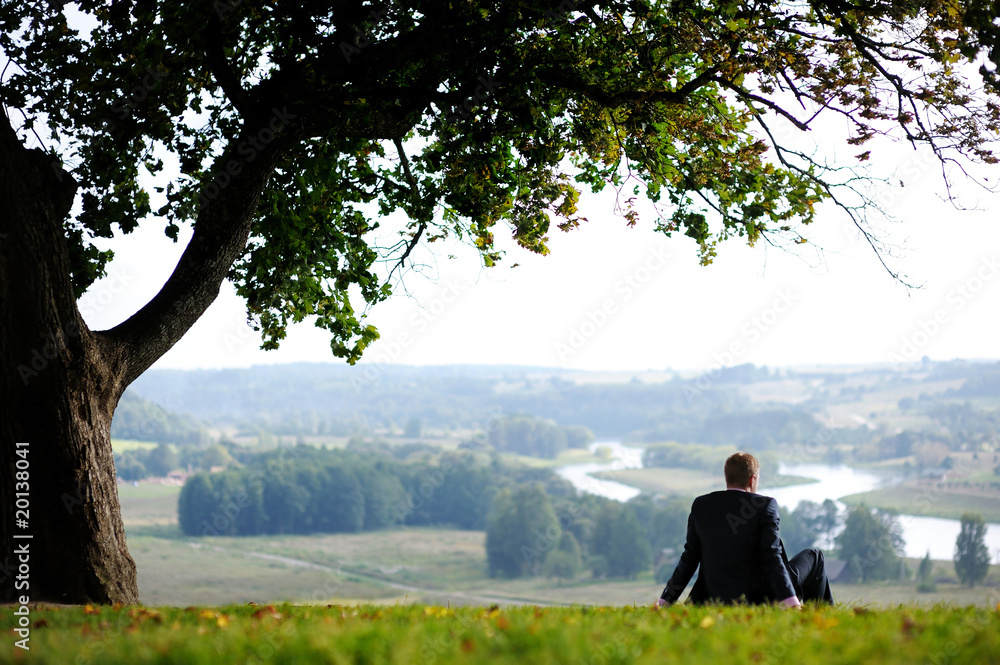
[(739, 468)]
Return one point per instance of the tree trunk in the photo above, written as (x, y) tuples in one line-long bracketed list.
[(57, 395), (77, 549), (61, 381)]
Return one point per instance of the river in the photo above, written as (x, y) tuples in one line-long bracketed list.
[(922, 534)]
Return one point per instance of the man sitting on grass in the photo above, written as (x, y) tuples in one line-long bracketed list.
[(733, 535)]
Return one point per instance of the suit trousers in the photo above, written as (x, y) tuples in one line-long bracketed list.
[(808, 572)]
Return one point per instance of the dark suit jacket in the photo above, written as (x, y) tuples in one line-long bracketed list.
[(734, 536)]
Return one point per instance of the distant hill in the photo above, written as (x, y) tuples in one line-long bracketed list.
[(142, 420), (333, 399), (754, 407)]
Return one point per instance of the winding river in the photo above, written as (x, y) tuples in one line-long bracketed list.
[(922, 534)]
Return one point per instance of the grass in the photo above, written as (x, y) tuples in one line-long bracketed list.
[(565, 457), (428, 634), (929, 500)]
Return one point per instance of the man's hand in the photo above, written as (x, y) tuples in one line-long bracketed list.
[(792, 601)]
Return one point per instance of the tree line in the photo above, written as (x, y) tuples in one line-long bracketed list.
[(536, 523), (536, 437), (529, 533), (302, 489)]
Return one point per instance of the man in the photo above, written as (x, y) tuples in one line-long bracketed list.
[(733, 535)]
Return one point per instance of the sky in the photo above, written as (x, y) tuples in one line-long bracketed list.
[(612, 298)]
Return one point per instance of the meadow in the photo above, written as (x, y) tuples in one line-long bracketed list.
[(400, 566), (428, 634), (915, 498), (422, 595)]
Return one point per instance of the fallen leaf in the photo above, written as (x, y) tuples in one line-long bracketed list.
[(266, 611)]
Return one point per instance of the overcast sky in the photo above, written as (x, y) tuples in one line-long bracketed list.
[(613, 298)]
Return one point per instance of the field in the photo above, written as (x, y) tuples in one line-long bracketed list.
[(565, 457), (434, 634), (397, 566), (121, 445), (914, 498), (684, 482)]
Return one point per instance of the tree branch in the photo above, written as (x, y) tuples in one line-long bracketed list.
[(223, 71), (220, 236), (615, 99), (875, 245), (746, 94), (415, 192)]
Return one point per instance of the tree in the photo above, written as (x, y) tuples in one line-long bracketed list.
[(414, 428), (926, 566), (286, 506), (162, 460), (972, 559), (629, 553), (195, 503), (578, 436), (604, 523), (462, 498), (276, 130), (669, 525), (130, 465), (566, 561), (872, 544), (520, 532), (382, 492), (527, 435), (810, 521), (924, 582), (340, 500), (214, 455)]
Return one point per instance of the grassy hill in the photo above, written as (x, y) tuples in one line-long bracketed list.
[(430, 634)]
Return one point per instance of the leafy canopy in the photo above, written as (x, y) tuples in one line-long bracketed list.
[(471, 117)]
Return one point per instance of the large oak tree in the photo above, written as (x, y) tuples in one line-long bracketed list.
[(283, 131)]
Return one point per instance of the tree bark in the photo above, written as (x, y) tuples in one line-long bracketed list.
[(58, 396)]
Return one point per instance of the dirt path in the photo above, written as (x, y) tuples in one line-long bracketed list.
[(455, 597)]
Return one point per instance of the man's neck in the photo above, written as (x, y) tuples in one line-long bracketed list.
[(738, 489)]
